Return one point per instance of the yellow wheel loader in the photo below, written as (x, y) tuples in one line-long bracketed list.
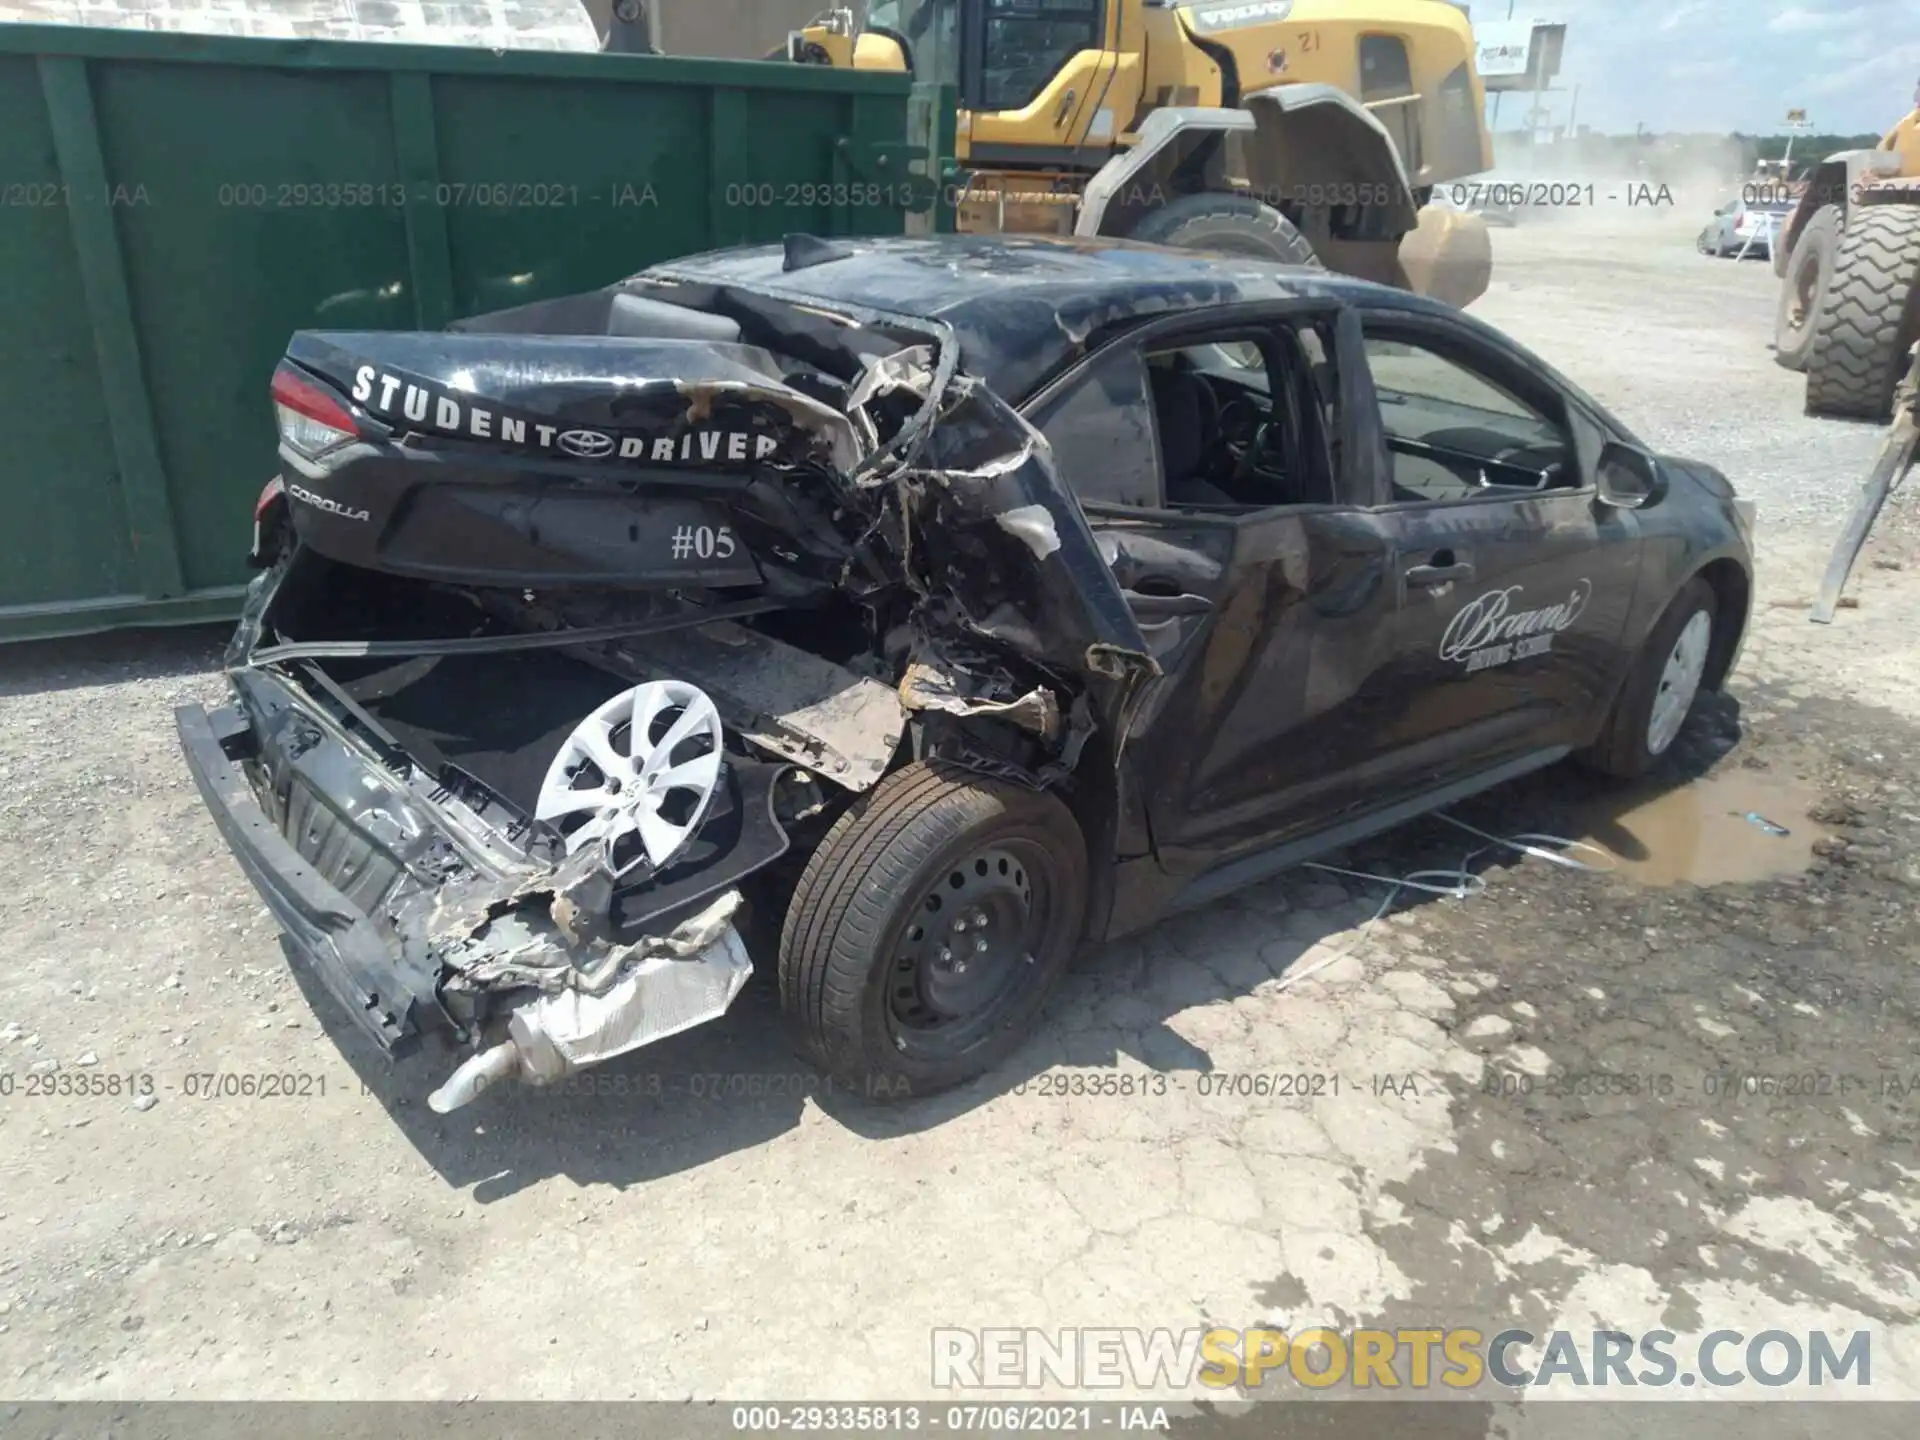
[(1849, 265), (1305, 131)]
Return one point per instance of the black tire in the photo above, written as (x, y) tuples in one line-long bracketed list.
[(1805, 282), (1862, 333), (1622, 749), (856, 951), (1228, 224)]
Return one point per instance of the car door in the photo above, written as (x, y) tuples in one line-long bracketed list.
[(1515, 581), (1271, 611)]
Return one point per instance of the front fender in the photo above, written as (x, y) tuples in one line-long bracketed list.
[(1311, 135), (1294, 139)]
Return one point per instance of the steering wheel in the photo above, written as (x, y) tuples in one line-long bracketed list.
[(1239, 423), (1247, 464), (1244, 468)]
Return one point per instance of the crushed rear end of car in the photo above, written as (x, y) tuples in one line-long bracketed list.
[(578, 624)]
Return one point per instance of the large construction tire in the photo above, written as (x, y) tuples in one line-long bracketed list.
[(1804, 287), (1861, 335), (1232, 224)]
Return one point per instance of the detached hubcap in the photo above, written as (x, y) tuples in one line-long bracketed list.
[(969, 945), (1679, 682)]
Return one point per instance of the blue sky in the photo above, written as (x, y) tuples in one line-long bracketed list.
[(1723, 65)]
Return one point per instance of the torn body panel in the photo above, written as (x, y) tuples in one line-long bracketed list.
[(810, 518), (1005, 553)]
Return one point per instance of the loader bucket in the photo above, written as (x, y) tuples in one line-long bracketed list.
[(1449, 256)]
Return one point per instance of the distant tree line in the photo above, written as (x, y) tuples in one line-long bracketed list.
[(1666, 156), (1773, 147)]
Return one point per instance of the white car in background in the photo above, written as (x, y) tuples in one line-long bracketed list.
[(1739, 227)]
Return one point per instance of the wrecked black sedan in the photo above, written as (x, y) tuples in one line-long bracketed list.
[(940, 604)]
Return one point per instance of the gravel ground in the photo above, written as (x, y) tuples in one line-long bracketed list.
[(735, 1232)]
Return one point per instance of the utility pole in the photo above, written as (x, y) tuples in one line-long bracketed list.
[(1497, 94), (1796, 126)]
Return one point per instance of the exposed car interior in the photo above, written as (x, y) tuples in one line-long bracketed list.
[(1243, 420), (1455, 434)]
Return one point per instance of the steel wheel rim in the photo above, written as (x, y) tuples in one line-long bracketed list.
[(1679, 682), (967, 952)]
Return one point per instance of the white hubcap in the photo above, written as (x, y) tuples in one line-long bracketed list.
[(644, 765), (1679, 682)]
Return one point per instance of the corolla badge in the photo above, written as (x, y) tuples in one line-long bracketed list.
[(332, 507), (587, 444), (1491, 630)]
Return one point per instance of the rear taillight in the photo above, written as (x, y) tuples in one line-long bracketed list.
[(311, 420), (274, 490)]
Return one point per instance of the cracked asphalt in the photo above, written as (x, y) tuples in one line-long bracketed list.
[(1559, 1103)]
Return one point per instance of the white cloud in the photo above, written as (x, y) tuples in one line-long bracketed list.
[(1793, 20), (1700, 69), (1885, 74), (1682, 14), (1725, 65), (1848, 47)]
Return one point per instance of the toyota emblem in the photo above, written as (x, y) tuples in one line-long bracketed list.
[(587, 444)]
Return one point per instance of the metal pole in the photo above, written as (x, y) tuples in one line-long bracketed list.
[(1497, 93), (1893, 462)]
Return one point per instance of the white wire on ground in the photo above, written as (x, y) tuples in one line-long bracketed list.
[(1458, 883)]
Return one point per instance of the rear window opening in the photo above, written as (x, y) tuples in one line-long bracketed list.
[(814, 351)]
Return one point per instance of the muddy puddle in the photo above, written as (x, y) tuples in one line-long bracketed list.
[(1700, 833)]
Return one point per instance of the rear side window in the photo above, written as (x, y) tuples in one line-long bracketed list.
[(1101, 431)]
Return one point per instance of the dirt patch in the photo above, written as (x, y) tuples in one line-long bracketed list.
[(1696, 1053)]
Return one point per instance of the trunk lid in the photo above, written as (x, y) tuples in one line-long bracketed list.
[(536, 460)]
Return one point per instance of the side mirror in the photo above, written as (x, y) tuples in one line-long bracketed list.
[(1629, 479)]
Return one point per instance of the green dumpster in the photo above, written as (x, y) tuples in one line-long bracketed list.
[(173, 206)]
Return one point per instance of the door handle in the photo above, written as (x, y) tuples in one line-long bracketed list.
[(1065, 108), (1444, 571), (1164, 600)]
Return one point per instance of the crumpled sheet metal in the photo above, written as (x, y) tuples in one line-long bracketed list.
[(665, 984), (996, 532), (926, 687)]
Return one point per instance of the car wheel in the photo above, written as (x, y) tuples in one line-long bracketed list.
[(929, 927), (1233, 224), (1662, 688), (1803, 287)]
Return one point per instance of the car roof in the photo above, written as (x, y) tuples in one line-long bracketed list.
[(1022, 305)]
